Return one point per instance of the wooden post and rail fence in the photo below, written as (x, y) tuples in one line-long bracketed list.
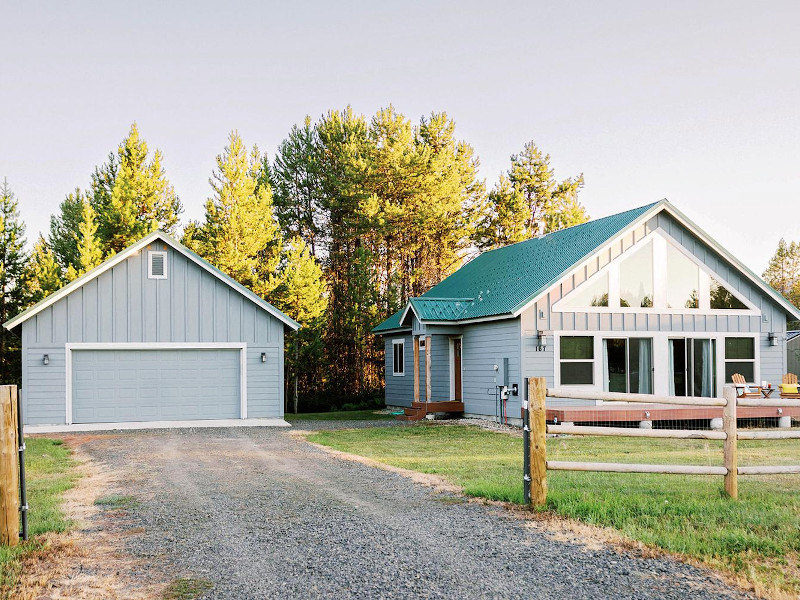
[(536, 430)]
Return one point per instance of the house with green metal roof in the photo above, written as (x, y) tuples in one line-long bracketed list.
[(643, 301)]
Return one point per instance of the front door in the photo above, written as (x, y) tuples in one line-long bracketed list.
[(457, 370)]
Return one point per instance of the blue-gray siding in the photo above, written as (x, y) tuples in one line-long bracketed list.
[(486, 344), (773, 319), (122, 306)]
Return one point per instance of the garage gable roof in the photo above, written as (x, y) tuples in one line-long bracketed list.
[(130, 250)]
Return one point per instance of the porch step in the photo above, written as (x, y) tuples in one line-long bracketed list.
[(418, 410)]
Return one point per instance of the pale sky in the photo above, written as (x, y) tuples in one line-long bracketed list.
[(693, 101)]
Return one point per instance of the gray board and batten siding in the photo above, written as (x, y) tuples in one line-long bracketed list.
[(123, 306), (541, 317), (483, 346)]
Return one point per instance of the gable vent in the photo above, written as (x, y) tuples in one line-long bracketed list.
[(157, 267)]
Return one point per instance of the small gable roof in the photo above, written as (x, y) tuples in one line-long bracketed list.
[(500, 283), (15, 322)]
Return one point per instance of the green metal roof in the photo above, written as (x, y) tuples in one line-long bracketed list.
[(500, 281)]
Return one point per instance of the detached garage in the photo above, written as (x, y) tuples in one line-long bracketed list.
[(153, 334)]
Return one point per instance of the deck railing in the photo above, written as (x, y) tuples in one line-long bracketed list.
[(536, 463)]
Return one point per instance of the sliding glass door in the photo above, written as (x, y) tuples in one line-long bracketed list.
[(693, 367), (628, 365)]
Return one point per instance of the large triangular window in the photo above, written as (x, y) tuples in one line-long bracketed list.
[(656, 274)]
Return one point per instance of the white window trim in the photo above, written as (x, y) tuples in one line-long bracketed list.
[(559, 360), (725, 361), (242, 346), (660, 350), (660, 239), (400, 342), (150, 255)]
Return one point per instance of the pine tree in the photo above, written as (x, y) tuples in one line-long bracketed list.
[(783, 271), (63, 226), (90, 254), (43, 275), (13, 260), (140, 199), (296, 181), (503, 218), (552, 203), (302, 295), (239, 235)]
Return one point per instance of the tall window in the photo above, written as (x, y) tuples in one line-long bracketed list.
[(636, 279), (683, 280), (577, 360), (740, 357), (398, 357)]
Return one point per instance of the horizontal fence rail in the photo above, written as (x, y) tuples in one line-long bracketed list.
[(536, 428), (570, 394)]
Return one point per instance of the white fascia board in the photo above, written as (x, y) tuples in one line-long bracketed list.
[(686, 222), (80, 281), (118, 258), (405, 312)]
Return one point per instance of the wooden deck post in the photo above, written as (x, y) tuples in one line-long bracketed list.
[(537, 419), (729, 451), (416, 368), (428, 369), (9, 468)]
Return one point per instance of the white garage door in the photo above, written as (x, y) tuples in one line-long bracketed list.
[(111, 386)]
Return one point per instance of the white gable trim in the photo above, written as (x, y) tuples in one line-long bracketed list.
[(695, 230), (118, 258), (610, 268)]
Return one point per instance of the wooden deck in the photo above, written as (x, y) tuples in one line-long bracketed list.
[(622, 413), (418, 410)]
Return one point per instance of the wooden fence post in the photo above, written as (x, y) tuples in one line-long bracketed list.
[(9, 468), (537, 419), (729, 451)]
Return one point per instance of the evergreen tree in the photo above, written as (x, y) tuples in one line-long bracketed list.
[(548, 202), (503, 218), (63, 226), (13, 300), (90, 254), (296, 187), (239, 235), (43, 275), (302, 295), (783, 271), (140, 199)]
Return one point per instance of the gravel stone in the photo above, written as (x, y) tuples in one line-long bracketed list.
[(263, 514)]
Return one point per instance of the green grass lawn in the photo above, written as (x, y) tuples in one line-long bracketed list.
[(339, 415), (756, 537), (49, 474)]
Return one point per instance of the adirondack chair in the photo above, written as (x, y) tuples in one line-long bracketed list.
[(743, 390), (789, 381)]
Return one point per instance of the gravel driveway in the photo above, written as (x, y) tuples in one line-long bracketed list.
[(265, 515)]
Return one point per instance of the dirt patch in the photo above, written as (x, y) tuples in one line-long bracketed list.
[(89, 562)]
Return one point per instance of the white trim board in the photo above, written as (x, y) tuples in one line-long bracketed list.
[(241, 346), (660, 359), (143, 243), (660, 240)]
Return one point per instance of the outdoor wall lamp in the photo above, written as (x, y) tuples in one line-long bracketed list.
[(773, 339), (541, 341), (263, 357), (46, 359)]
